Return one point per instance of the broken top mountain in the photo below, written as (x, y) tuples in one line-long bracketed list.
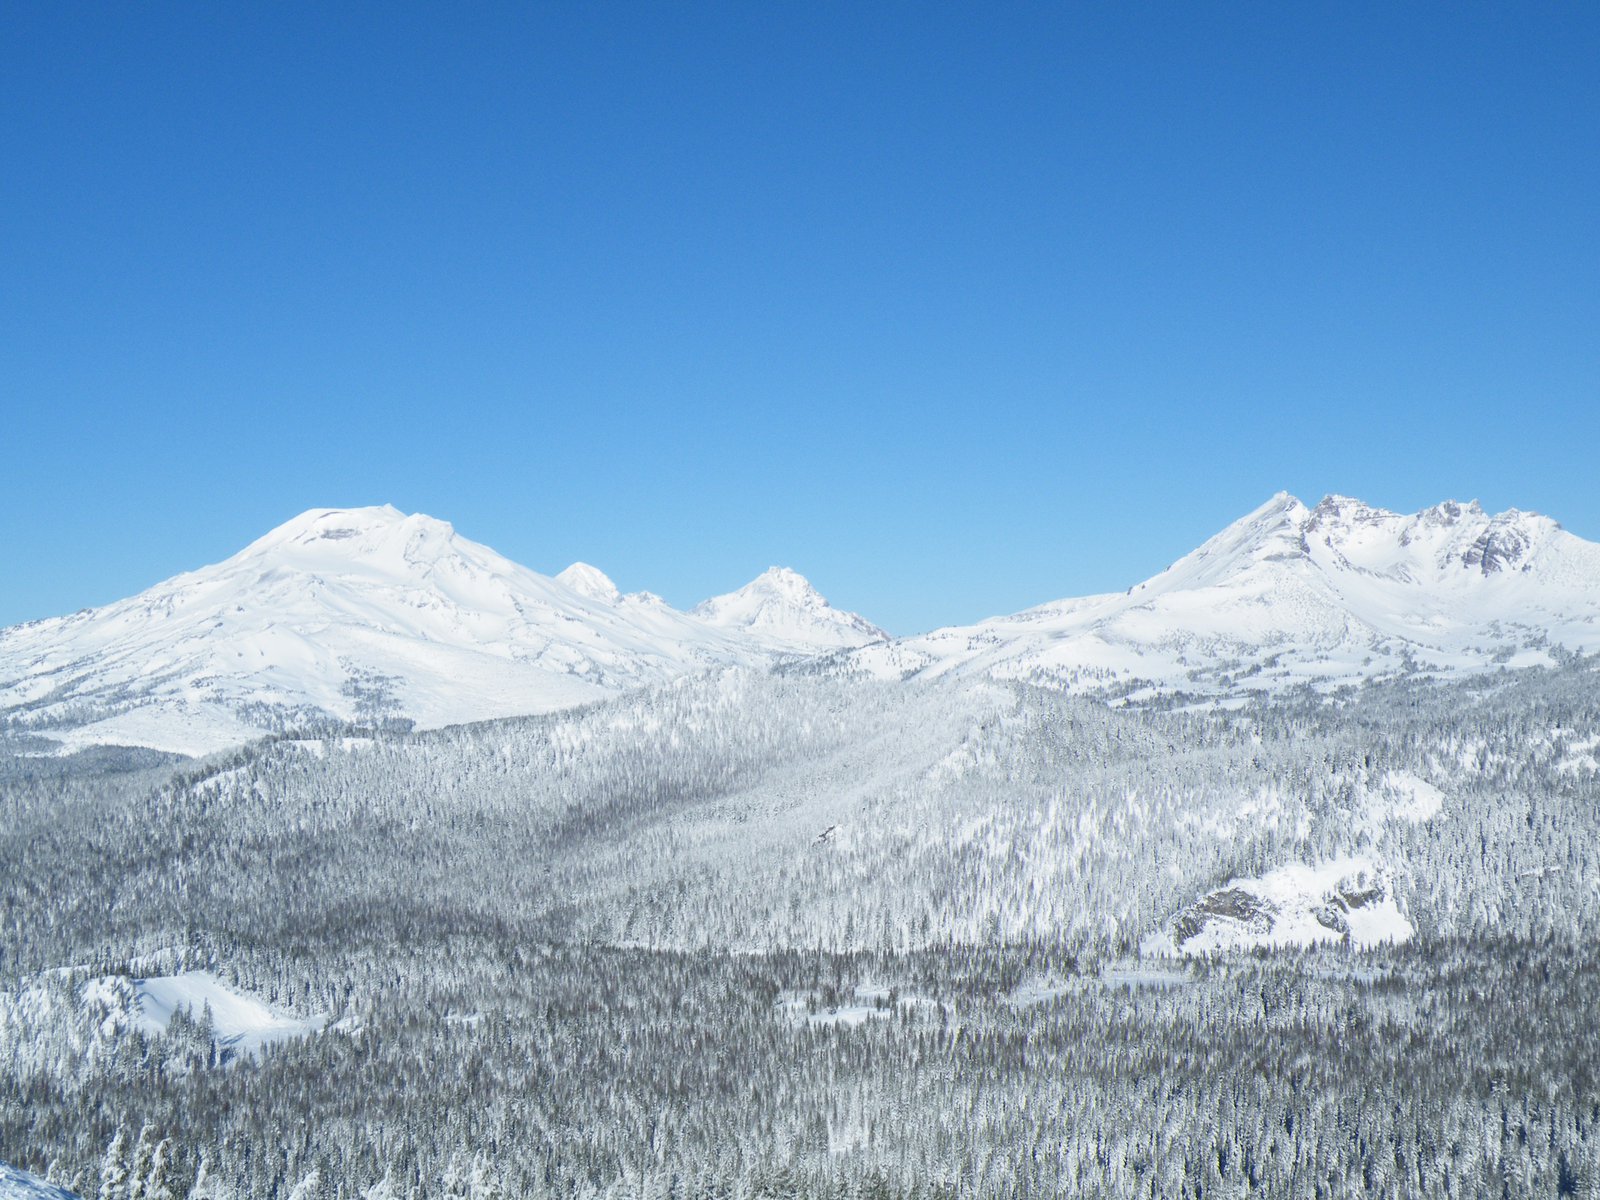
[(1289, 594), (369, 615)]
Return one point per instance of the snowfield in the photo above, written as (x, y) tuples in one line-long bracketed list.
[(1407, 796), (241, 1024)]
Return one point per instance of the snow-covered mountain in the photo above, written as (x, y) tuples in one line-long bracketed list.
[(1286, 594), (368, 614), (782, 609)]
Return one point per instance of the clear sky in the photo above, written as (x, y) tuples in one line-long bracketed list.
[(954, 308)]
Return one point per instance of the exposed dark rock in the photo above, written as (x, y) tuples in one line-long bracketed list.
[(1235, 903)]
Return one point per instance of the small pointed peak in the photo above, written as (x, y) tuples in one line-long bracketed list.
[(782, 609), (1337, 504), (589, 581), (782, 579)]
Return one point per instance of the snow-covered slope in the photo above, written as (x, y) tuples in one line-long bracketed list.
[(19, 1185), (1335, 593), (354, 614), (785, 612)]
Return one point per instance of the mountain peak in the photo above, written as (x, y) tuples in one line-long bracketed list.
[(351, 533), (590, 581), (323, 522), (785, 582), (1449, 512), (1272, 532), (1335, 504), (780, 607)]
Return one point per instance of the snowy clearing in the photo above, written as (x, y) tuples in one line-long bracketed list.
[(241, 1024)]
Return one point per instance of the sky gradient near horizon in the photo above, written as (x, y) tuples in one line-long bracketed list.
[(954, 309)]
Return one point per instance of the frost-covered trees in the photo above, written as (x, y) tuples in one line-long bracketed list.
[(114, 1172), (610, 953)]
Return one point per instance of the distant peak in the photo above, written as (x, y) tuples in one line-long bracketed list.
[(783, 580), (1337, 502), (341, 524), (590, 581), (1449, 512), (781, 605)]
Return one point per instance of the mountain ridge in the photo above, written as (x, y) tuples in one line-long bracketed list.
[(1294, 594), (371, 615)]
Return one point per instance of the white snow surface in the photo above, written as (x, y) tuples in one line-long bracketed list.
[(590, 581), (1347, 899), (240, 1023), (365, 614), (16, 1184), (1407, 796), (1289, 594)]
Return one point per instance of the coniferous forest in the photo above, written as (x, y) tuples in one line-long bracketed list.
[(794, 934)]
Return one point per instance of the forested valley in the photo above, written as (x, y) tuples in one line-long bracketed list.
[(799, 935)]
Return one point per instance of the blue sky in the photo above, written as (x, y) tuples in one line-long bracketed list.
[(955, 309)]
